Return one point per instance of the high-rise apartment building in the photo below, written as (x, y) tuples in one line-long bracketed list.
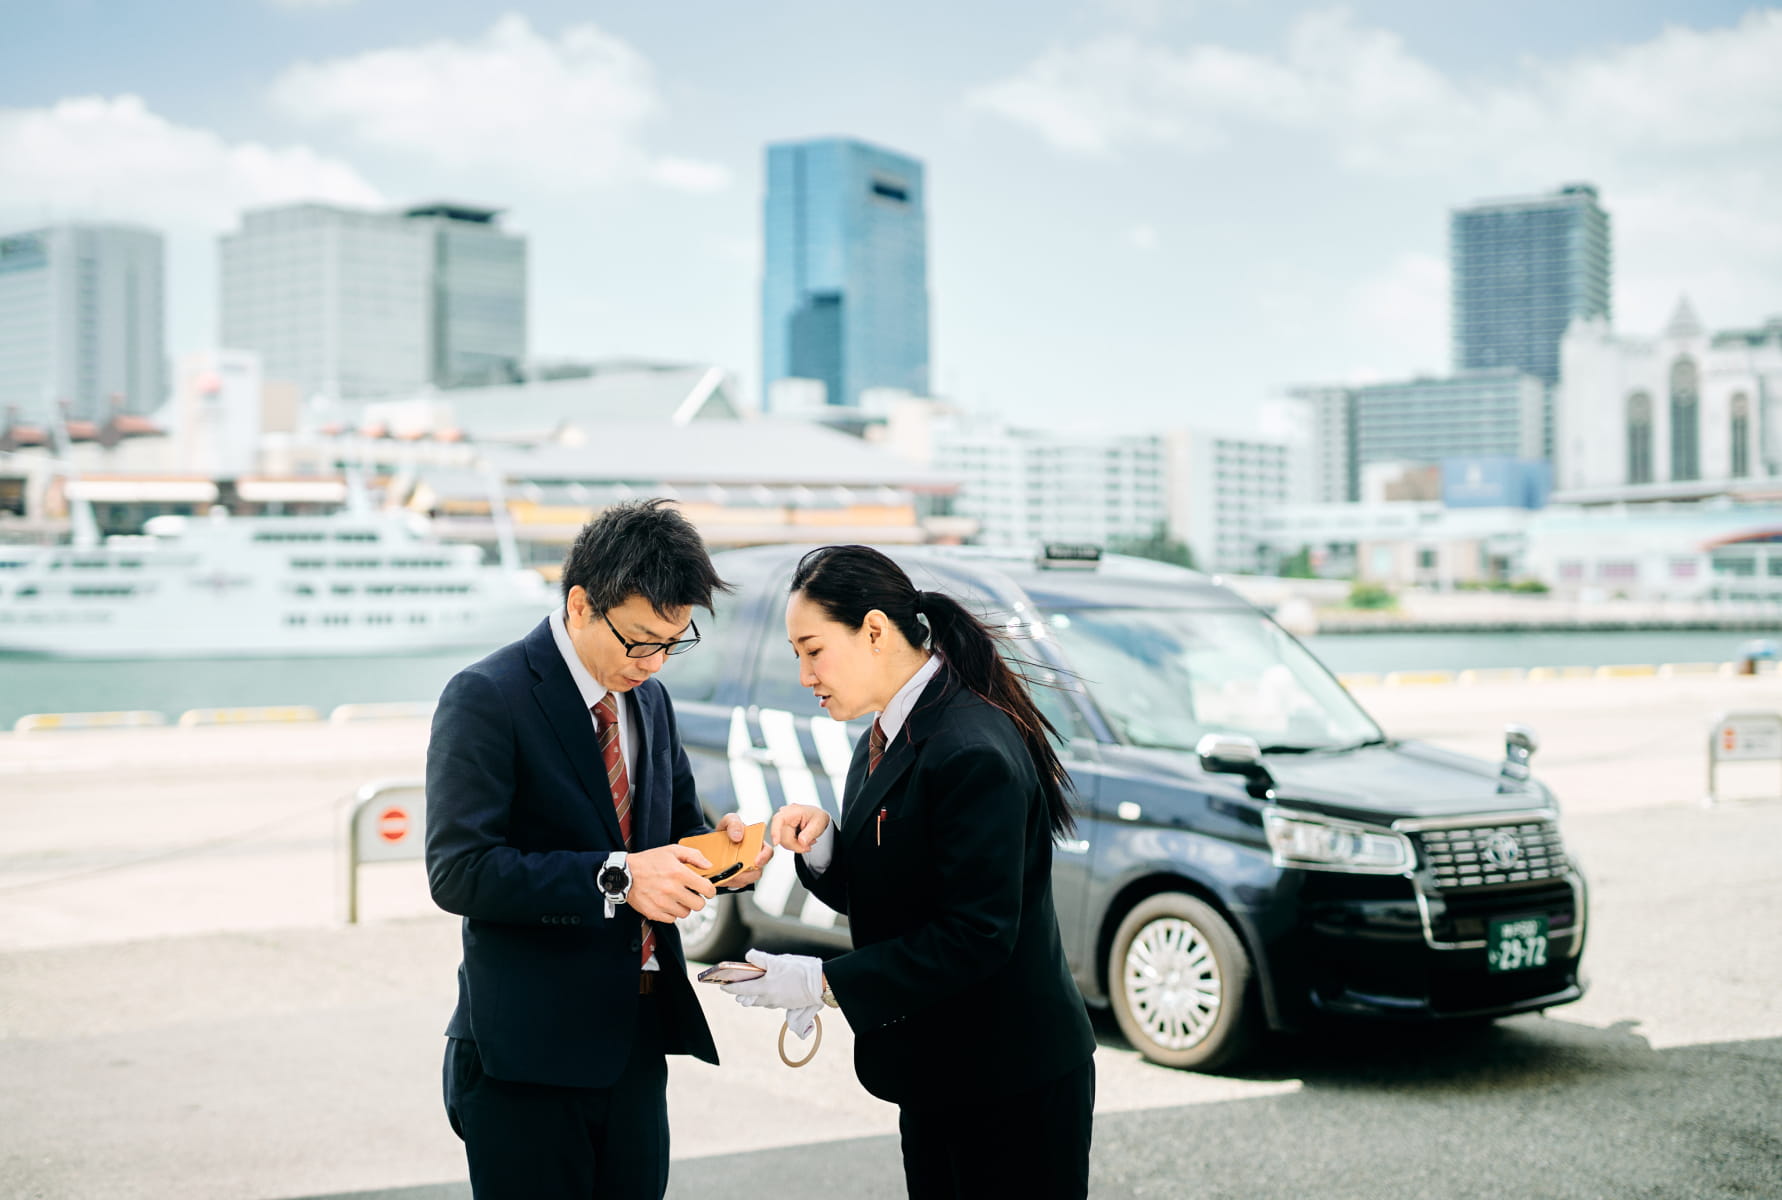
[(844, 295), (1522, 270), (1347, 428), (82, 321), (1026, 487), (350, 303), (1221, 489)]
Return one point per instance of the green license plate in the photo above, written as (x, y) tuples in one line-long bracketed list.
[(1516, 944)]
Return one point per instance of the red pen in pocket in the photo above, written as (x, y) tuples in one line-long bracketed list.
[(878, 829)]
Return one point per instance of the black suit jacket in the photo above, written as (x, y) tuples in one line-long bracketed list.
[(957, 985), (519, 819)]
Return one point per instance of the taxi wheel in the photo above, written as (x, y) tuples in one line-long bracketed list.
[(1179, 980), (716, 932)]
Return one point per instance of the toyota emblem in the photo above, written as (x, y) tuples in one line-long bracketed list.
[(1502, 850)]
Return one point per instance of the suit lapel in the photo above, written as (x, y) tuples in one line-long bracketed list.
[(867, 790), (643, 714), (558, 698)]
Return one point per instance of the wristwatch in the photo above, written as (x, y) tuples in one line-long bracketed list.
[(614, 881), (829, 994)]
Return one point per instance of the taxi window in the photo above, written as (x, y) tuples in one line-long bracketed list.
[(694, 675), (1048, 688), (776, 676)]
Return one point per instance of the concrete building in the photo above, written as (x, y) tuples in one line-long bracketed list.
[(1683, 416), (1731, 554), (1343, 430), (1026, 487), (1522, 270), (82, 322), (844, 293), (350, 303), (1221, 489), (1405, 543)]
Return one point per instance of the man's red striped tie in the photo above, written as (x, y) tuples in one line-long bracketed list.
[(606, 724)]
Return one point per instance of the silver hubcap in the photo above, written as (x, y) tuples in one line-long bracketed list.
[(1173, 985), (695, 927)]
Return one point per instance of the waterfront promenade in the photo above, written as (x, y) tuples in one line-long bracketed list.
[(182, 1015)]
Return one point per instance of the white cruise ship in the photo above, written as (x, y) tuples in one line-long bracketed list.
[(274, 587)]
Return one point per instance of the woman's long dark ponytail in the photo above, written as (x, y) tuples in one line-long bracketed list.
[(850, 581)]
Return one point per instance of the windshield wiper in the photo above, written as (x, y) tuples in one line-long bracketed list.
[(1331, 749)]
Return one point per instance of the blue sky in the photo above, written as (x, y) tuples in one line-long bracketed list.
[(1144, 213)]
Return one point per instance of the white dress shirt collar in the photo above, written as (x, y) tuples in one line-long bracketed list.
[(592, 692), (897, 710)]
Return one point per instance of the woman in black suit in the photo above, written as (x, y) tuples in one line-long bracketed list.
[(963, 1010)]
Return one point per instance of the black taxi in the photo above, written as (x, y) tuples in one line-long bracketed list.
[(1251, 850)]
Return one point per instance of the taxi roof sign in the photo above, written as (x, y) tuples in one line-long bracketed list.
[(1070, 556)]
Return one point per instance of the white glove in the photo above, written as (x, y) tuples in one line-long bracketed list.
[(793, 982)]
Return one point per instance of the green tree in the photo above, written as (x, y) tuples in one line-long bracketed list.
[(1370, 595), (1159, 546), (1298, 565)]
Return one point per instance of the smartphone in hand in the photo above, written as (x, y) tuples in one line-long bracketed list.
[(731, 972)]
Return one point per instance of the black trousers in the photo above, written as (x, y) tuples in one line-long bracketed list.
[(1033, 1144), (531, 1141)]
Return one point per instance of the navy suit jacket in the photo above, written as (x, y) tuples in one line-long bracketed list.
[(519, 819), (957, 986)]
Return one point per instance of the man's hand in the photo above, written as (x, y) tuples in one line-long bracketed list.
[(797, 827), (734, 825), (663, 887)]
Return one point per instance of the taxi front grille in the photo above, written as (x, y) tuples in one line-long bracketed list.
[(1488, 854)]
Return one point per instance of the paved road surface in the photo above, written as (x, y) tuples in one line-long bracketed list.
[(179, 1016)]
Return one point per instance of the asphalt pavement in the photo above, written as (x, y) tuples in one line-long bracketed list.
[(183, 1018)]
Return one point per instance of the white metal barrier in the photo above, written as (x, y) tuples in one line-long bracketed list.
[(388, 823), (1743, 735)]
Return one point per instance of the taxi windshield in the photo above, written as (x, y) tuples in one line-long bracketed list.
[(1166, 677)]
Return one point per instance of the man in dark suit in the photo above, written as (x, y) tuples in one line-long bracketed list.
[(556, 791)]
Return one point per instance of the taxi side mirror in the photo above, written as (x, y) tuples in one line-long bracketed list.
[(1234, 754)]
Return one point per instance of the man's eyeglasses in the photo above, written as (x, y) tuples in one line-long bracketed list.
[(651, 649)]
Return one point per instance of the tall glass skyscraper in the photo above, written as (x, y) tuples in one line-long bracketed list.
[(844, 297), (1523, 268)]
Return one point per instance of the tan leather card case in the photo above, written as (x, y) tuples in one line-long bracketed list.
[(722, 853)]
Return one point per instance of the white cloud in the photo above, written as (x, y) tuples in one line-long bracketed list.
[(1402, 312), (112, 158), (1142, 237), (1683, 132), (1379, 106), (312, 3), (566, 113)]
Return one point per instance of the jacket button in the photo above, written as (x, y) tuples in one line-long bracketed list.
[(637, 944), (575, 919), (545, 920)]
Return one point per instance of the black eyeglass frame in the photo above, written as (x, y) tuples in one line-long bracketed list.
[(651, 649)]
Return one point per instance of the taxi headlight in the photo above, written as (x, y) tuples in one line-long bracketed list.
[(1302, 840)]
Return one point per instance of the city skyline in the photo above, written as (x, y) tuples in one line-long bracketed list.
[(1143, 215)]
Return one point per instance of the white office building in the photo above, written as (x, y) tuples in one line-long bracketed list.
[(81, 321), (1222, 487), (350, 303), (1026, 487), (1683, 416)]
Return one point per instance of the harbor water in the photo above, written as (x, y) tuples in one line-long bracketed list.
[(30, 685)]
